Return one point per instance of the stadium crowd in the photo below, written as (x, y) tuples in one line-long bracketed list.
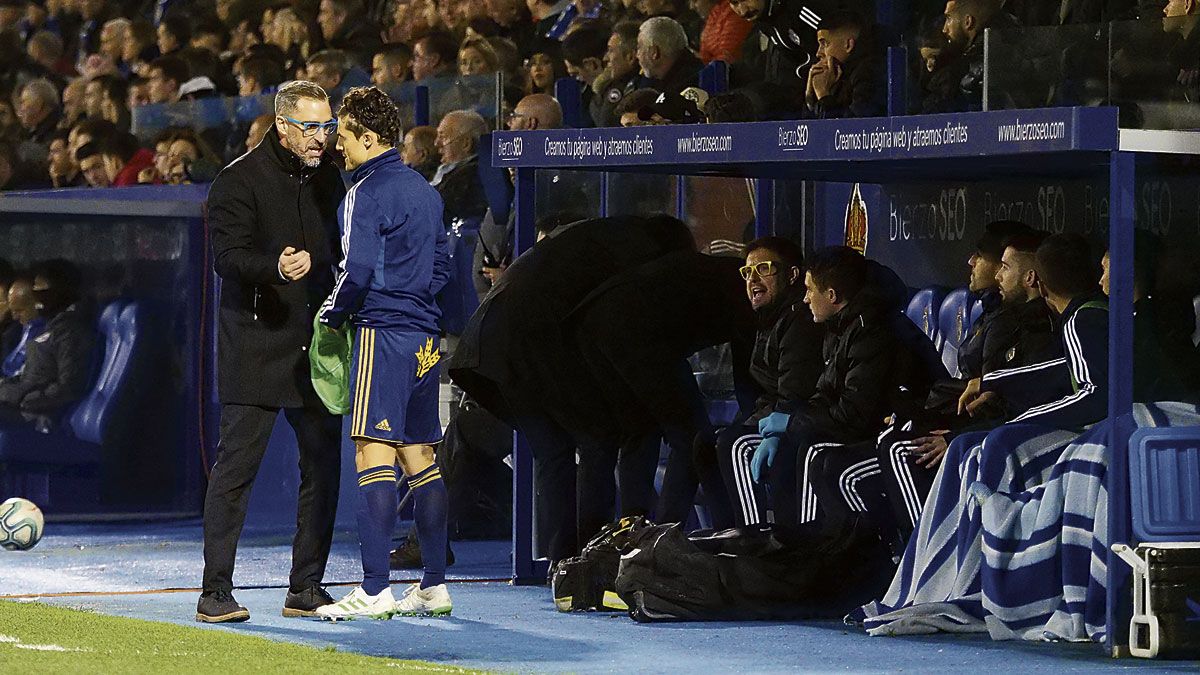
[(73, 72)]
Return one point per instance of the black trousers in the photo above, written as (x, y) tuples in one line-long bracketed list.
[(245, 431), (906, 483), (777, 493)]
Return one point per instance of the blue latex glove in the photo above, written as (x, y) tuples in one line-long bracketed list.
[(764, 458), (774, 424)]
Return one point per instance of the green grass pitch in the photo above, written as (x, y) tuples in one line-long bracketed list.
[(39, 638)]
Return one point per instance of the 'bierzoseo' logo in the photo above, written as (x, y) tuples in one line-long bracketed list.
[(793, 138), (510, 149)]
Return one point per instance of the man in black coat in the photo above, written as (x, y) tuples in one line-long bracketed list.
[(847, 79), (515, 359), (272, 215), (636, 333)]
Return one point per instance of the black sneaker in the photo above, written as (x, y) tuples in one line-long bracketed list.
[(408, 556), (220, 607), (306, 602)]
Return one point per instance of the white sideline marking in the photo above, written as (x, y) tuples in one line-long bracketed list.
[(16, 642)]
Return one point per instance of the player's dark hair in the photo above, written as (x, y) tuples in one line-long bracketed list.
[(841, 268), (1026, 242), (1066, 267), (173, 68), (547, 224), (442, 44), (62, 274), (368, 108), (789, 252)]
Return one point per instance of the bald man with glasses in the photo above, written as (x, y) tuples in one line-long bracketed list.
[(273, 219)]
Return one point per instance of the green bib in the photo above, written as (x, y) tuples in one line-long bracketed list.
[(329, 365)]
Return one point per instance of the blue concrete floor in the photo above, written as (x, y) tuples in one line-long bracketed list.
[(495, 626)]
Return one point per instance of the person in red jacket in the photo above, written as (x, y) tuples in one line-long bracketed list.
[(113, 162), (724, 32)]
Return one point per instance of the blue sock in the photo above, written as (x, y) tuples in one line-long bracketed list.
[(376, 518), (429, 507)]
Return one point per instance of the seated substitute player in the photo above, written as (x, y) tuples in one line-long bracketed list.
[(785, 364), (395, 262)]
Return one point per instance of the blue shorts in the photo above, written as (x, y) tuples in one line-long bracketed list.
[(394, 387)]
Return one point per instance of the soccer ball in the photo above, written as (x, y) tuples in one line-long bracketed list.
[(21, 524)]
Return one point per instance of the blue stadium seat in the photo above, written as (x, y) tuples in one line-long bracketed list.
[(954, 323), (923, 308), (976, 311), (62, 465)]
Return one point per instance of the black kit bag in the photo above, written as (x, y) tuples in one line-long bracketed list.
[(588, 582)]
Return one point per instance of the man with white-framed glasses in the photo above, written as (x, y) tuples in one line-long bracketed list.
[(273, 219), (785, 364)]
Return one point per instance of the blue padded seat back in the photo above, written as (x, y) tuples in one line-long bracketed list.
[(923, 308), (1164, 483), (954, 324), (119, 330), (976, 312)]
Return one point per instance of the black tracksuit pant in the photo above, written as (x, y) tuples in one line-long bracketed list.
[(245, 431)]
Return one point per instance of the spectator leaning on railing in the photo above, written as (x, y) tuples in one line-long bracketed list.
[(662, 52)]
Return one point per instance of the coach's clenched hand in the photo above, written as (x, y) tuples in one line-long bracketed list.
[(293, 264)]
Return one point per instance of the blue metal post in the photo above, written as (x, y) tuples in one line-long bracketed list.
[(1122, 208), (604, 194), (526, 567), (714, 79), (421, 105), (897, 62), (681, 197), (570, 97), (764, 211)]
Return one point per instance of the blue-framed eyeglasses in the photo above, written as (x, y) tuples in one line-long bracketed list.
[(310, 129)]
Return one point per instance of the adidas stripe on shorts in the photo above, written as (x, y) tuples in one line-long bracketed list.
[(394, 387)]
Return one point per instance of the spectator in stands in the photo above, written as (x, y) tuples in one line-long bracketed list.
[(847, 78), (258, 75), (785, 364), (411, 21), (664, 57), (38, 110), (141, 47), (73, 102), (210, 34), (583, 52), (113, 36), (327, 68), (139, 92), (58, 365), (512, 19), (64, 171), (166, 75), (419, 151), (619, 78), (258, 129), (11, 12), (630, 107), (544, 67), (113, 100), (27, 325), (190, 160), (545, 14), (93, 14), (46, 49), (292, 35), (391, 66), (678, 10), (87, 131), (724, 31), (435, 55), (536, 111), (1180, 19), (174, 33), (477, 57), (156, 173), (345, 26), (457, 179), (965, 22), (116, 161)]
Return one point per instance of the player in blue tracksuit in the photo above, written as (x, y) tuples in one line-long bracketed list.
[(395, 261), (1070, 392)]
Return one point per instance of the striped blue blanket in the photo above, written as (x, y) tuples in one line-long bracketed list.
[(1012, 538)]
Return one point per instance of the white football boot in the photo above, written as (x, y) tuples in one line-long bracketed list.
[(358, 605), (433, 601)]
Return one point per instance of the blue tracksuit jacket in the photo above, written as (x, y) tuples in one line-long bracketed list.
[(394, 248)]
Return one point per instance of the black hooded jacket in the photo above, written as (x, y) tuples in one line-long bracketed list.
[(787, 356)]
